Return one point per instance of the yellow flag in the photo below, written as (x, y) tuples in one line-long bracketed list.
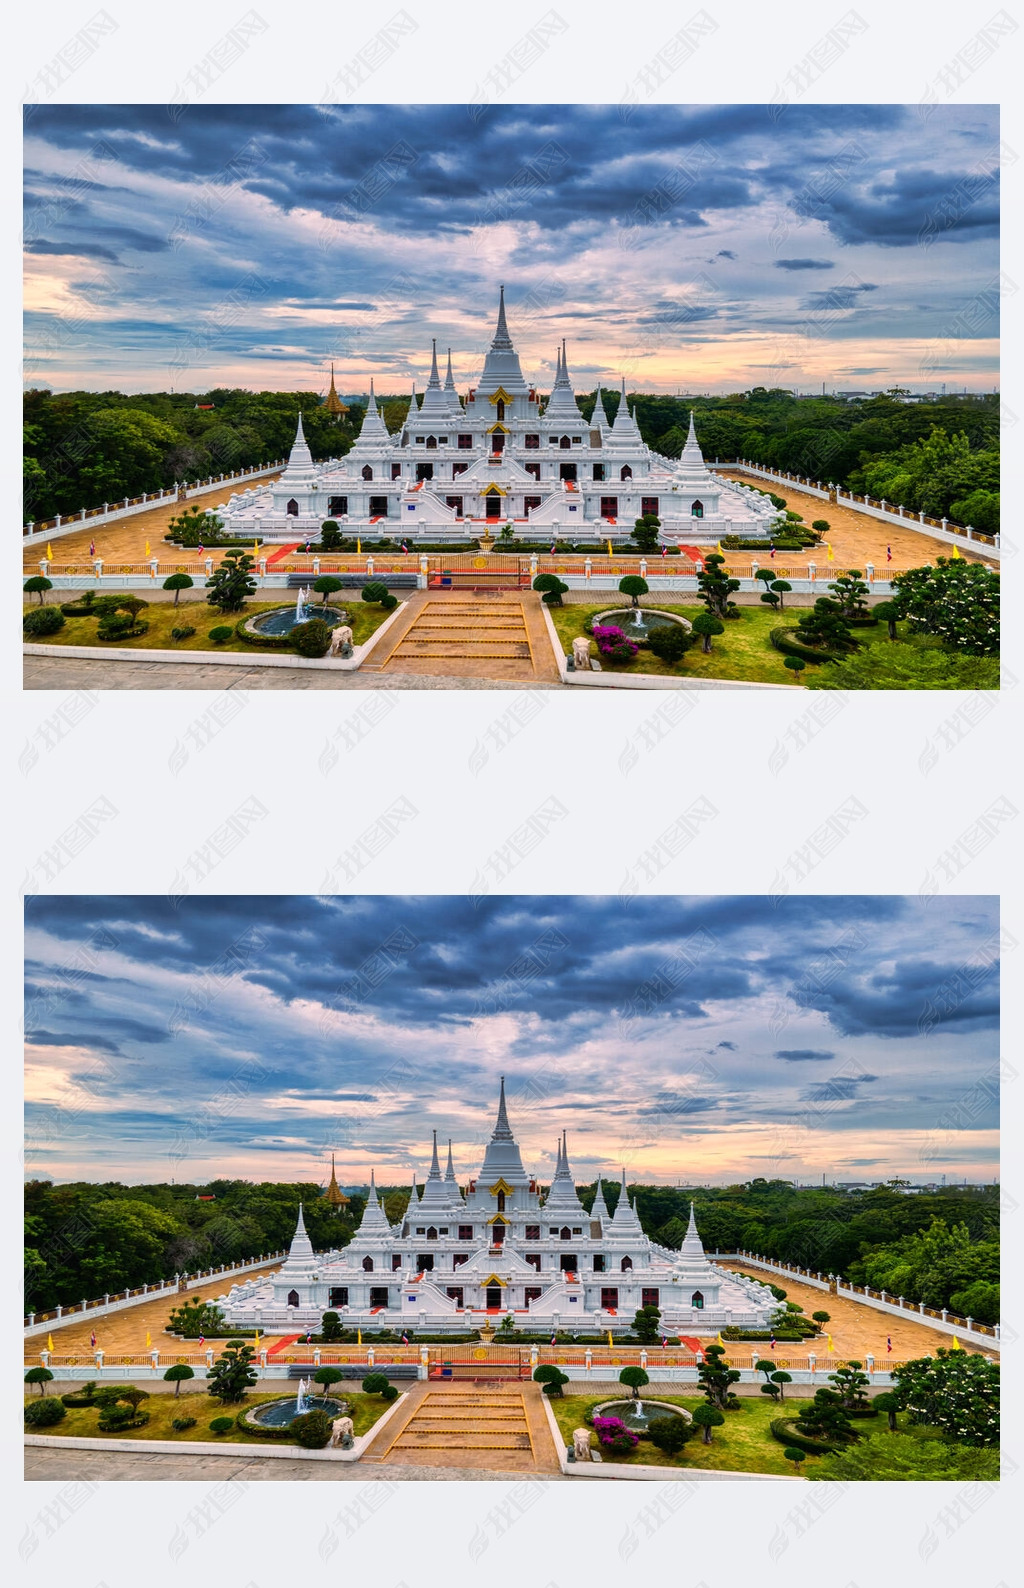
[(147, 549), (720, 1341), (149, 1343), (256, 1342), (49, 1342), (359, 1337), (830, 1351), (956, 1344), (255, 547), (609, 1337), (831, 558), (49, 552), (718, 548), (610, 552), (956, 552), (359, 546)]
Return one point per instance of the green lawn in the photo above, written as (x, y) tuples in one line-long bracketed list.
[(744, 651), (81, 1423), (162, 616), (743, 1443)]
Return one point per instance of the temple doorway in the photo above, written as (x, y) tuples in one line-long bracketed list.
[(493, 1298)]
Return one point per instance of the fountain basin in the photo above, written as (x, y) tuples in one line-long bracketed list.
[(281, 620), (280, 1413), (639, 621), (638, 1415)]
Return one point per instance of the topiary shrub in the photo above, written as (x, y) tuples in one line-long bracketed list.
[(552, 1378), (222, 1425), (671, 643), (42, 620), (184, 633), (119, 626), (179, 1424), (670, 1434), (44, 1413), (312, 1430), (221, 634), (375, 591), (389, 1394), (312, 639), (389, 602), (786, 641), (375, 1383), (115, 1418), (787, 1433)]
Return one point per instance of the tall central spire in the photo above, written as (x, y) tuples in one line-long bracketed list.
[(501, 336), (502, 1131)]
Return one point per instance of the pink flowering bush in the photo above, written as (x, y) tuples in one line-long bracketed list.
[(612, 644), (614, 1435)]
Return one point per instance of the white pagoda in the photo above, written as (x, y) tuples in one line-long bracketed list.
[(503, 457), (458, 1256)]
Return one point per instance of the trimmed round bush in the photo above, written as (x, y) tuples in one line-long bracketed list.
[(312, 1430), (670, 1434), (389, 602), (671, 643), (222, 1425), (389, 1394), (44, 1413), (179, 1424), (119, 626), (221, 634), (43, 620), (375, 1384), (115, 1418), (312, 639), (375, 591), (184, 633)]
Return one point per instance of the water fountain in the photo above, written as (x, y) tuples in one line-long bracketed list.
[(636, 1415), (636, 623)]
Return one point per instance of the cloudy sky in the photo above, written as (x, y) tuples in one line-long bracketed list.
[(690, 248), (705, 1040)]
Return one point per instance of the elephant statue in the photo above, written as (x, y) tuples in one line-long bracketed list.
[(581, 653), (341, 1430), (581, 1443), (341, 640)]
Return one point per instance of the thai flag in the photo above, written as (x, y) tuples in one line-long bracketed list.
[(200, 548), (772, 552), (92, 1339), (664, 551), (664, 1342), (888, 1345), (554, 1339), (202, 1339), (554, 543), (92, 548), (405, 546), (888, 554), (773, 1342), (309, 1337), (405, 1338)]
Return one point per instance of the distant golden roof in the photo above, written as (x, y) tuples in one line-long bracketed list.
[(333, 402)]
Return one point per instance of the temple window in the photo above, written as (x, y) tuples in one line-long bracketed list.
[(564, 443), (367, 472), (598, 471), (425, 1262), (293, 1298), (626, 1264), (625, 473), (533, 1232), (577, 1229), (565, 1233), (501, 1201), (649, 504), (533, 468), (442, 441), (378, 1295), (293, 508), (465, 443), (421, 1229), (609, 1298), (500, 409), (465, 1232), (552, 441), (567, 471), (649, 1298), (459, 468), (531, 1293), (338, 1295), (576, 440), (697, 510), (396, 471), (533, 1258), (337, 506), (431, 442), (420, 440), (455, 1292), (609, 507), (598, 1262), (529, 503), (531, 441), (697, 1300), (553, 1231), (367, 1265), (460, 1257), (396, 1261), (424, 471), (431, 1233)]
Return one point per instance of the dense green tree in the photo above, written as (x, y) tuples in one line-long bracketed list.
[(824, 628), (885, 1457), (38, 585), (706, 624), (326, 586), (715, 1375), (647, 1325), (233, 1373), (706, 1418), (634, 1378), (957, 1391), (632, 585), (228, 585), (955, 600), (177, 1374), (178, 582), (552, 587), (904, 666), (645, 534), (715, 586), (40, 1376)]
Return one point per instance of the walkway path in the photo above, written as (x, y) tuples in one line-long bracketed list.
[(855, 1328), (494, 634), (77, 672), (122, 1332), (855, 538), (495, 1425), (46, 1464)]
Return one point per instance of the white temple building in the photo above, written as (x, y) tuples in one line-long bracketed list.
[(499, 1247), (457, 469)]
